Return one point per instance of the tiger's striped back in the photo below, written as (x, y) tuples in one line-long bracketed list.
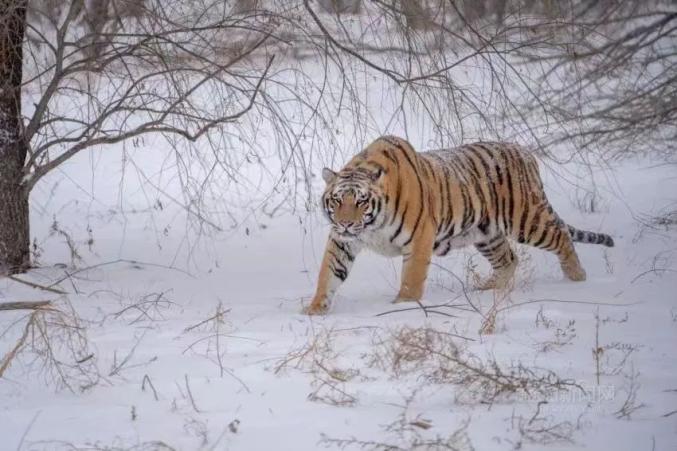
[(397, 201), (498, 189)]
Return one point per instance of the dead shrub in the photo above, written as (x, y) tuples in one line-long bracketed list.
[(318, 358), (53, 343), (436, 356)]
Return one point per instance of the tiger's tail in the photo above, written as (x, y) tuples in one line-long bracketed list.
[(583, 236)]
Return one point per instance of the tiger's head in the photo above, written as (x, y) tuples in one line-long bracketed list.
[(352, 200)]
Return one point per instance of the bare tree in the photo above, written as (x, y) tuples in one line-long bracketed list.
[(612, 88), (341, 6), (415, 13), (587, 76), (104, 71), (14, 233), (128, 76)]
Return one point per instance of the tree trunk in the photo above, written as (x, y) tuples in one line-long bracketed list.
[(14, 231), (415, 14)]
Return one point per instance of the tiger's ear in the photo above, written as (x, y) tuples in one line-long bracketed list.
[(328, 175), (376, 175)]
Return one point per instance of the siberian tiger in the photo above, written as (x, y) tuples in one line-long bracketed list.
[(396, 201)]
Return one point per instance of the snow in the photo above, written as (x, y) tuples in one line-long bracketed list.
[(166, 374)]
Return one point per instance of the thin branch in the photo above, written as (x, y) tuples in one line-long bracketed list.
[(25, 305)]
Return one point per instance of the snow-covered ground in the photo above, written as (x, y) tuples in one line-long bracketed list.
[(193, 339), (263, 376)]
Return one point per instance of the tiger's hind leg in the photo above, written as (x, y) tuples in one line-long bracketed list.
[(568, 259), (502, 259), (556, 238)]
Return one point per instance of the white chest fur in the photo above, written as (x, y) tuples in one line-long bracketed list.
[(379, 242)]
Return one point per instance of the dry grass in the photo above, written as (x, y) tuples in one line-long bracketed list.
[(54, 343), (564, 333), (318, 358), (408, 432), (215, 330), (155, 445), (410, 440), (437, 356), (541, 429)]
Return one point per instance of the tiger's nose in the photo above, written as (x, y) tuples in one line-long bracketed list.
[(346, 225)]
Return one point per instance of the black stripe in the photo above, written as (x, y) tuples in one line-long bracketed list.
[(421, 193), (544, 244), (484, 225), (556, 242), (337, 260), (341, 274), (399, 228), (572, 232), (415, 169), (413, 232), (535, 222), (398, 197), (375, 210), (446, 236), (386, 153), (541, 237), (521, 236), (501, 165), (427, 165), (491, 246), (511, 197), (465, 192), (446, 189), (466, 208), (488, 176), (343, 248)]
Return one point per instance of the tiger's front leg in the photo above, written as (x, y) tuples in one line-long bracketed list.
[(416, 261), (336, 263)]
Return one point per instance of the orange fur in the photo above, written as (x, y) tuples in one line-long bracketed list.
[(399, 202)]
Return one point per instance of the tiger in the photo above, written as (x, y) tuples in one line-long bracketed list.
[(400, 202)]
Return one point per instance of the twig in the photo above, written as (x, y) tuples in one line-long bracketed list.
[(28, 429), (654, 270), (84, 359), (598, 351), (562, 301), (25, 305), (190, 394), (114, 262), (117, 367), (150, 384), (216, 316), (35, 285), (7, 359), (465, 291), (420, 306)]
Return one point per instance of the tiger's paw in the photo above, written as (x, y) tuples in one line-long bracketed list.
[(486, 284), (399, 300), (576, 274), (496, 282), (317, 308), (573, 270)]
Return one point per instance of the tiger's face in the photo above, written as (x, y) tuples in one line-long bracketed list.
[(352, 201)]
